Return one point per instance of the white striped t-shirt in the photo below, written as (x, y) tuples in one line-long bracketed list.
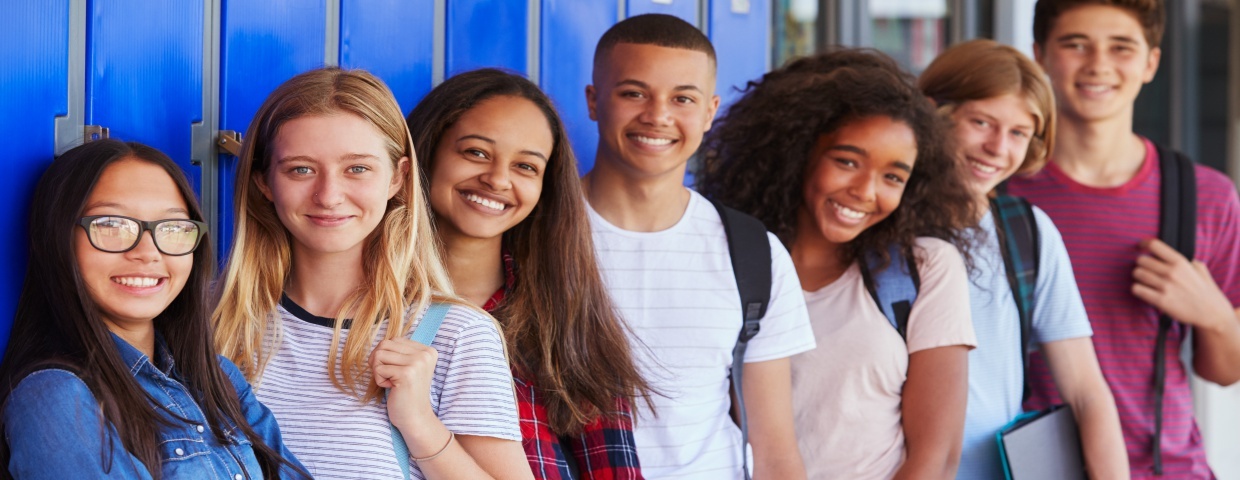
[(676, 290), (337, 437)]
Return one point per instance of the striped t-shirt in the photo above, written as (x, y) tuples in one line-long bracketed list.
[(676, 290), (336, 436), (1101, 228)]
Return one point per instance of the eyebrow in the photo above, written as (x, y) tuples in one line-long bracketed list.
[(492, 142), (643, 85), (307, 158), (1081, 36), (861, 151), (122, 207)]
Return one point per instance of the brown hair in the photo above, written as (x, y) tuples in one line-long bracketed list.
[(401, 263), (1149, 13), (563, 331), (654, 29), (759, 152), (982, 69)]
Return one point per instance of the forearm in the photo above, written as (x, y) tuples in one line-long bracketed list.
[(772, 434), (1216, 351), (1101, 437), (933, 412)]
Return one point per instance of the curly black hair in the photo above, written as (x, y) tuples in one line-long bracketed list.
[(756, 157)]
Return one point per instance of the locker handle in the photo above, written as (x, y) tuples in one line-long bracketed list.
[(230, 141), (91, 133)]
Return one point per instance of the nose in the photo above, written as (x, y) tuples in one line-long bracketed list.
[(864, 186), (656, 113), (328, 192), (997, 143), (497, 176), (145, 250)]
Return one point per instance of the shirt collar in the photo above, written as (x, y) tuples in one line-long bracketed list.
[(134, 359)]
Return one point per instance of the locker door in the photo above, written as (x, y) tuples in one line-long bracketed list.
[(34, 59), (393, 39), (739, 29), (570, 30), (686, 9), (144, 73), (264, 43), (487, 33)]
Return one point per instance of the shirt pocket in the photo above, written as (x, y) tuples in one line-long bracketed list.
[(187, 458)]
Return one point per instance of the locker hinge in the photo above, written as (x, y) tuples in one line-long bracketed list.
[(91, 133), (230, 141)]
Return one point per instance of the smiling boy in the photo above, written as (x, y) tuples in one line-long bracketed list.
[(1102, 191), (664, 256)]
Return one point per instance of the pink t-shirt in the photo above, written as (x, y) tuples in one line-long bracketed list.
[(1101, 228), (846, 393)]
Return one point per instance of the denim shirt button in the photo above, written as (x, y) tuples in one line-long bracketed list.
[(238, 477), (179, 451), (200, 429)]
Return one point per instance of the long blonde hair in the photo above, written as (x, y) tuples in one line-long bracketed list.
[(400, 261)]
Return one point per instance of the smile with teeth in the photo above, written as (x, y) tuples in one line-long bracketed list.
[(137, 282), (848, 212), (1095, 88), (485, 202), (657, 142), (982, 167)]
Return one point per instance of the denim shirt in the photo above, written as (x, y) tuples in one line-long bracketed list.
[(53, 427)]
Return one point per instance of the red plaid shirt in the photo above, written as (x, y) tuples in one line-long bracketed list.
[(604, 450)]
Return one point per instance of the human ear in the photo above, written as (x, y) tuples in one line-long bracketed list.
[(398, 177), (592, 101), (260, 181)]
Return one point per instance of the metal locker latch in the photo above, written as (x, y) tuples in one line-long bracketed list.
[(230, 141), (91, 133)]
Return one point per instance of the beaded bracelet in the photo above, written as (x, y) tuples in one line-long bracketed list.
[(451, 435)]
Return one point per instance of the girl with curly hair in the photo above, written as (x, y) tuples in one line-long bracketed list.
[(1003, 119), (843, 159), (503, 189)]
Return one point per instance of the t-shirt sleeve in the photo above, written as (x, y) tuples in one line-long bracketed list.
[(1218, 203), (1058, 311), (941, 314), (785, 329), (476, 397)]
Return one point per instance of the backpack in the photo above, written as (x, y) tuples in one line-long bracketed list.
[(750, 252), (894, 289)]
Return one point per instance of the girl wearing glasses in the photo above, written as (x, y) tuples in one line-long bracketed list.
[(111, 370), (333, 265)]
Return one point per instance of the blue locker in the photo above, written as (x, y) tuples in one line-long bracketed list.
[(34, 59), (686, 9), (570, 30), (394, 39), (486, 33), (144, 73), (263, 43), (735, 25)]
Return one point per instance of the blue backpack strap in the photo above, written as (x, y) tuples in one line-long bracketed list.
[(1178, 228), (1019, 242), (750, 251), (894, 288), (424, 333)]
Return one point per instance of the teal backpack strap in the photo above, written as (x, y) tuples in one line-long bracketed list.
[(894, 288), (424, 333), (1018, 240)]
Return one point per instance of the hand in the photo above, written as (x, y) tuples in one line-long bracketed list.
[(405, 368), (1180, 288)]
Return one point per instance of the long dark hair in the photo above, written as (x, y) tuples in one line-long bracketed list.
[(58, 324), (757, 155), (563, 332)]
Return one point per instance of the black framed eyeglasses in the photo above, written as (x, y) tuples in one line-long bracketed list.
[(118, 234)]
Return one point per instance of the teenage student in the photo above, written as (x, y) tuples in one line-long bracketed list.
[(506, 201), (333, 265), (842, 158), (1101, 188), (110, 371), (1003, 119), (664, 258)]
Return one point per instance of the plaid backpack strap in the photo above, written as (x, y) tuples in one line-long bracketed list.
[(1018, 240)]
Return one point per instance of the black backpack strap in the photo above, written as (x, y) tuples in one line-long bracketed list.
[(1018, 240), (750, 251), (1177, 227), (895, 288)]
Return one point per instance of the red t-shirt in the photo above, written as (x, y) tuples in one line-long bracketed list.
[(1101, 228)]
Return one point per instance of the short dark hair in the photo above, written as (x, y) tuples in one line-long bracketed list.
[(1149, 13), (655, 29)]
